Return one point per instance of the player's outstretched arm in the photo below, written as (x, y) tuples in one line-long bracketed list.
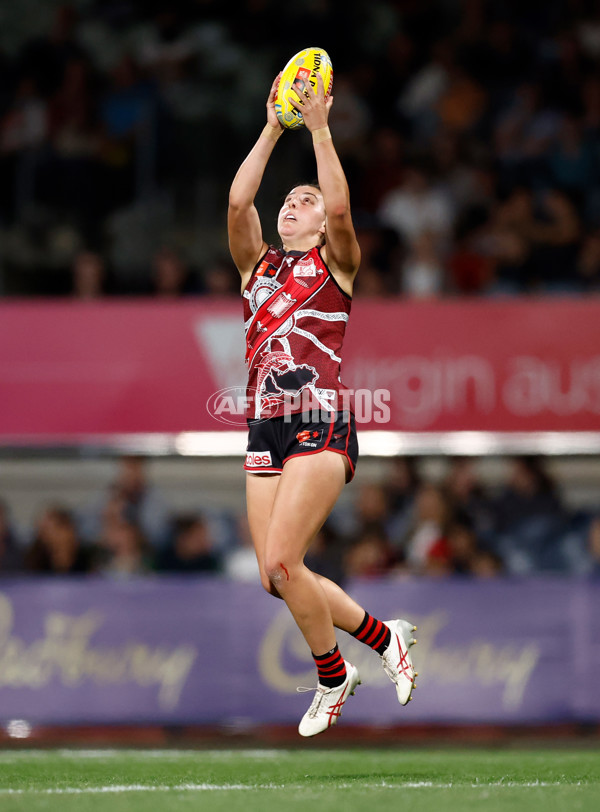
[(243, 223), (342, 251)]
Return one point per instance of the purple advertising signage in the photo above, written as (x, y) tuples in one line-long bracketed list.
[(201, 650)]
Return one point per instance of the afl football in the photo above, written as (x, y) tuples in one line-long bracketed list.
[(300, 70)]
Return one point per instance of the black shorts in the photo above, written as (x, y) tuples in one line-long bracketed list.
[(273, 441)]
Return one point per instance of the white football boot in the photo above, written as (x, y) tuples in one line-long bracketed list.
[(396, 660), (326, 707)]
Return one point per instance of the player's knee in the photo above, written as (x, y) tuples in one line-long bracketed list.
[(268, 586), (278, 574)]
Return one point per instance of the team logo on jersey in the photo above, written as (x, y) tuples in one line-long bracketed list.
[(305, 267), (310, 438)]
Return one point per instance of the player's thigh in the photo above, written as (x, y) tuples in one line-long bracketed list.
[(260, 497), (307, 491)]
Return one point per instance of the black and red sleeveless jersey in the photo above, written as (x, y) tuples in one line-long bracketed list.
[(295, 317)]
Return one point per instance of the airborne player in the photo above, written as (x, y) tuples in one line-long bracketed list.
[(297, 300)]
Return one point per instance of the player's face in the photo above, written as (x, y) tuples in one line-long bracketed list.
[(302, 215)]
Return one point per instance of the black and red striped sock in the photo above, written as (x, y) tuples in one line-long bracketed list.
[(331, 668), (374, 633)]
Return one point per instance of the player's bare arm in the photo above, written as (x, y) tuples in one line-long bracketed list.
[(341, 251), (246, 241)]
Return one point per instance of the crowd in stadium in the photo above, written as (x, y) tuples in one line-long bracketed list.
[(405, 523), (469, 132)]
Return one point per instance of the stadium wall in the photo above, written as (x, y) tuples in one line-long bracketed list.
[(164, 651)]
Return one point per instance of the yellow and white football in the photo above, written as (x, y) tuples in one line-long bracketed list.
[(302, 68)]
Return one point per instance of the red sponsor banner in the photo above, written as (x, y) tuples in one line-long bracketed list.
[(480, 366), (70, 368)]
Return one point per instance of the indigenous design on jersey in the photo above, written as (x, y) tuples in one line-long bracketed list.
[(295, 317)]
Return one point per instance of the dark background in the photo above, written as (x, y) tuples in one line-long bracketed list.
[(122, 124)]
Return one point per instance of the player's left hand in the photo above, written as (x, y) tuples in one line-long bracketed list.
[(313, 105)]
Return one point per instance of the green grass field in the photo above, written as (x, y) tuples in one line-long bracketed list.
[(352, 780)]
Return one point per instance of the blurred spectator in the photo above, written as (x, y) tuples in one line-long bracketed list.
[(463, 548), (423, 271), (529, 519), (11, 554), (416, 207), (463, 173), (370, 283), (350, 117), (380, 258), (588, 31), (88, 274), (69, 167), (221, 278), (382, 169), (507, 243), (424, 90), (56, 548), (136, 498), (121, 551), (469, 264), (503, 55), (127, 109), (370, 511), (523, 132), (572, 161), (462, 101), (368, 556), (326, 555), (588, 262), (470, 499), (240, 562), (171, 277), (25, 124), (529, 492), (467, 555), (167, 43), (401, 484), (45, 57), (426, 541), (23, 128), (487, 564), (554, 238), (191, 548), (72, 114)]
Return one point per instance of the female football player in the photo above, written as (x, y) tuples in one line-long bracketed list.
[(302, 445)]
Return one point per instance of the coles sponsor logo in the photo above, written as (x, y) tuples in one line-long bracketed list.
[(258, 459)]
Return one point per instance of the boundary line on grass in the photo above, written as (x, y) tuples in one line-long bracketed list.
[(121, 788)]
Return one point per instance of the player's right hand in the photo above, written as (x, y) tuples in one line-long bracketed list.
[(271, 114)]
